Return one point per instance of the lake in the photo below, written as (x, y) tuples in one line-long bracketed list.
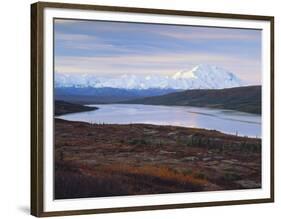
[(227, 121)]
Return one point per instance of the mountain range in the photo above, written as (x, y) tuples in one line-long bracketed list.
[(92, 95), (204, 85), (203, 76)]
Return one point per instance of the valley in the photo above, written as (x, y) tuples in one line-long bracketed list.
[(141, 135), (96, 160)]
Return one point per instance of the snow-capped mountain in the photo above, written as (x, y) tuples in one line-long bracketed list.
[(200, 77), (208, 77)]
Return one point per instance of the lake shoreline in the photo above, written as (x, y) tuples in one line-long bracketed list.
[(226, 121), (168, 126)]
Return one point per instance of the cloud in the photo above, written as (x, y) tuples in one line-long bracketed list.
[(73, 37), (165, 64), (105, 38), (66, 21), (112, 48), (87, 42), (205, 35)]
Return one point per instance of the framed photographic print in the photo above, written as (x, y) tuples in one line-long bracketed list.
[(141, 109)]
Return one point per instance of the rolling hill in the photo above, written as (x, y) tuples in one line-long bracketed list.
[(62, 107), (245, 99)]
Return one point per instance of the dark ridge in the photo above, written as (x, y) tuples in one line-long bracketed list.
[(245, 99), (62, 107)]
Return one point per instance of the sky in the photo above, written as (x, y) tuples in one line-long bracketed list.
[(105, 48)]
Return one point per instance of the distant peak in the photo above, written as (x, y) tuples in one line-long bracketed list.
[(183, 74), (199, 69)]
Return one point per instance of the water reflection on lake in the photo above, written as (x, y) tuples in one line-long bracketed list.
[(227, 121)]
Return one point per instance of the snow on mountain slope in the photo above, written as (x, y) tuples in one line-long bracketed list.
[(208, 76), (200, 77)]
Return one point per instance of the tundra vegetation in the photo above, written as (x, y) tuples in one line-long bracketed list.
[(99, 160)]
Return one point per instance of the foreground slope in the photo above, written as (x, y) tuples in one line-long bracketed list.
[(96, 160)]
